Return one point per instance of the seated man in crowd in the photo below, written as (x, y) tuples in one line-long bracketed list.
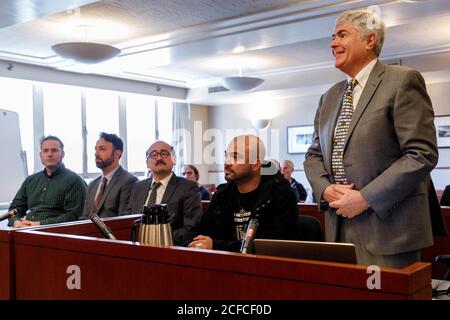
[(247, 194), (53, 195), (108, 194), (180, 195), (287, 168), (190, 172)]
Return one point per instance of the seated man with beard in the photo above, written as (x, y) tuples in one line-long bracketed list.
[(247, 194), (108, 194)]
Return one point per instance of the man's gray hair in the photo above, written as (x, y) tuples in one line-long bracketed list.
[(290, 163), (366, 22)]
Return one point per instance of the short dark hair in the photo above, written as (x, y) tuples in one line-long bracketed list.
[(114, 139), (50, 137)]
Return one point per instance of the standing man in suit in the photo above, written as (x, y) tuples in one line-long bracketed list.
[(180, 195), (373, 148), (108, 194)]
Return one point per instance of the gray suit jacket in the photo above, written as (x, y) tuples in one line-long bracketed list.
[(183, 203), (389, 152), (116, 196)]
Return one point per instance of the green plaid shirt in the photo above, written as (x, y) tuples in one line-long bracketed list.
[(50, 199)]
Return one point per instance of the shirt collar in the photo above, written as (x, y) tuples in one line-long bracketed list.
[(164, 181), (58, 170), (363, 75), (111, 174)]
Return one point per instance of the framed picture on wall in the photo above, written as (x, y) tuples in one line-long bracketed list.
[(299, 138), (442, 124)]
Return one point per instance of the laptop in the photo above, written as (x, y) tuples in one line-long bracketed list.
[(322, 251)]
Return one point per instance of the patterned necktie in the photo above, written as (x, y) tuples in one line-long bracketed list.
[(100, 193), (152, 198), (342, 126)]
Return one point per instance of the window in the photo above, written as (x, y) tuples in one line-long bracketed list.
[(165, 127), (65, 115), (62, 110), (102, 115), (17, 96), (140, 129)]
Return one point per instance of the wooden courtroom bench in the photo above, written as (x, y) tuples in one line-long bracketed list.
[(441, 244), (67, 261)]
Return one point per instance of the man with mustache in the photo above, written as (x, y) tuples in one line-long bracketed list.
[(164, 187), (108, 194), (247, 194), (53, 195)]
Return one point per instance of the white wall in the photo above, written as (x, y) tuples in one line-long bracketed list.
[(439, 94), (198, 124), (283, 112)]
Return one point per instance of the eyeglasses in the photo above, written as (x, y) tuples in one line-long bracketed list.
[(154, 154)]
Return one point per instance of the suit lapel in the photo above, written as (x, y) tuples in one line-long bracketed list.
[(169, 189), (110, 185), (369, 90), (143, 193), (90, 197)]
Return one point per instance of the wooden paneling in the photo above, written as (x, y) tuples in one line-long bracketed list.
[(125, 270), (7, 267), (441, 244)]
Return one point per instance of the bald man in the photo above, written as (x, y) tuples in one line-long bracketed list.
[(247, 194), (180, 195)]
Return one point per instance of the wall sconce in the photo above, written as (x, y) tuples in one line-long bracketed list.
[(261, 123)]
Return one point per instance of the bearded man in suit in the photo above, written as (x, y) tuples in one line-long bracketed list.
[(108, 194), (373, 148)]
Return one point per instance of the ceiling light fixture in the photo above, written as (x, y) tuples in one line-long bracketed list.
[(86, 52), (261, 123), (241, 83)]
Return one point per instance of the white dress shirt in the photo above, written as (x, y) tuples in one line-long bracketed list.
[(160, 191), (362, 78)]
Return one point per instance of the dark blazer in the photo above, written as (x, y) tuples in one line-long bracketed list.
[(116, 196), (388, 154), (204, 193), (445, 199), (300, 192), (183, 203)]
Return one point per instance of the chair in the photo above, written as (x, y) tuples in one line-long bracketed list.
[(445, 258), (308, 229)]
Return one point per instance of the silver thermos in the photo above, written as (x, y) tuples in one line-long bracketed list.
[(154, 229)]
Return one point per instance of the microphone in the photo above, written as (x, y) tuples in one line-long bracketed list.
[(247, 243), (102, 226), (9, 214)]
